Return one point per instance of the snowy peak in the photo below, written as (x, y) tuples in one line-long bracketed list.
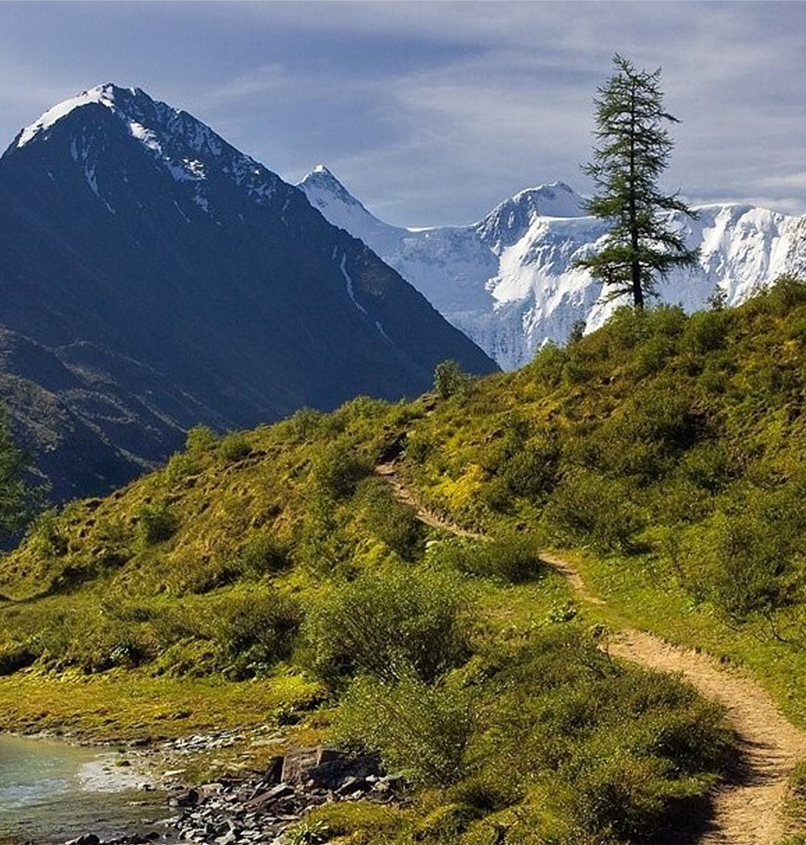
[(510, 281), (339, 207), (322, 187), (102, 94), (182, 146), (508, 223)]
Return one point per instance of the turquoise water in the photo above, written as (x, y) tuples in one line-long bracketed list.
[(51, 791)]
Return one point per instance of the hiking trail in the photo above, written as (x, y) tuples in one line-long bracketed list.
[(750, 809)]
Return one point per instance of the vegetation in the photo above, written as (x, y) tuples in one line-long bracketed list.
[(634, 150), (449, 378), (283, 581), (16, 496)]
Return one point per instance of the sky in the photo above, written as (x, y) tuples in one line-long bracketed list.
[(432, 113)]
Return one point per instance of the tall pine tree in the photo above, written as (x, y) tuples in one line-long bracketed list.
[(633, 149)]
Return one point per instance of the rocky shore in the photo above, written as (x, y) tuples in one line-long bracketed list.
[(258, 810)]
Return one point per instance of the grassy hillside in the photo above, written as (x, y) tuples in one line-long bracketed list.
[(271, 577)]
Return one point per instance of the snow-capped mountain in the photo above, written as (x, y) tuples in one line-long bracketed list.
[(153, 277), (509, 283)]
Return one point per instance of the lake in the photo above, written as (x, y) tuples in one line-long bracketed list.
[(51, 791)]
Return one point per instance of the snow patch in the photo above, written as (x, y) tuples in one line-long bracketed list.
[(102, 94), (349, 283)]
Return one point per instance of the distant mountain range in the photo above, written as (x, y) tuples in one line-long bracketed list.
[(509, 283), (153, 277)]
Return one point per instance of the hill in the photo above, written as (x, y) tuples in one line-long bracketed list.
[(509, 283), (155, 277), (274, 568)]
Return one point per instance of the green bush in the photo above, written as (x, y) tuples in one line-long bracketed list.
[(388, 626), (706, 331), (199, 438), (547, 366), (337, 469), (254, 630), (747, 561), (590, 509), (599, 751), (156, 523), (182, 465), (450, 379), (263, 554), (234, 447), (391, 521), (420, 729), (512, 559)]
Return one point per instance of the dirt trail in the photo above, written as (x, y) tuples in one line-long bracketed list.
[(748, 811)]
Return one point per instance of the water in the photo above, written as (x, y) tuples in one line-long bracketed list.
[(51, 791)]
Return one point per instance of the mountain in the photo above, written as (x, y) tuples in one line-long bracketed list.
[(154, 277), (508, 281)]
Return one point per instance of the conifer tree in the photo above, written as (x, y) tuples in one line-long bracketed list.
[(633, 149)]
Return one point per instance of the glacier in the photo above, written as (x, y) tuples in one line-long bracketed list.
[(509, 282)]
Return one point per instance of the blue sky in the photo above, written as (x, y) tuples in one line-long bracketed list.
[(433, 112)]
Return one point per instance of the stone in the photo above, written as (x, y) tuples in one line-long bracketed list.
[(269, 797), (274, 771), (186, 799), (86, 839), (352, 785)]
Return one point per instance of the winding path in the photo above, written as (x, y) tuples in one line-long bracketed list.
[(747, 811)]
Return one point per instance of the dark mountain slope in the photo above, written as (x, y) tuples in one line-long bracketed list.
[(134, 230)]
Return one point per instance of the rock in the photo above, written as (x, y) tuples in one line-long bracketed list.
[(269, 797), (274, 771), (187, 799), (334, 766), (352, 785), (298, 762), (86, 839)]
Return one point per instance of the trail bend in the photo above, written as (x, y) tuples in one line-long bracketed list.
[(747, 811)]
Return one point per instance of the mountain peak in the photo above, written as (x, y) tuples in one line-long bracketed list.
[(101, 94), (183, 146), (508, 222), (322, 179)]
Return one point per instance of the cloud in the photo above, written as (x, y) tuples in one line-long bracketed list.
[(434, 112)]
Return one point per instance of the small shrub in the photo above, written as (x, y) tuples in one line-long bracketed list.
[(705, 332), (199, 438), (156, 523), (388, 626), (391, 521), (589, 509), (337, 469), (263, 553), (420, 729), (547, 366), (512, 559), (254, 630), (304, 424), (450, 379), (234, 447), (182, 465)]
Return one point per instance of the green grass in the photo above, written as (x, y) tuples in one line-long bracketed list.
[(664, 451)]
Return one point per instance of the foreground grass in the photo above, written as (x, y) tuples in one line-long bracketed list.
[(123, 706), (667, 448)]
